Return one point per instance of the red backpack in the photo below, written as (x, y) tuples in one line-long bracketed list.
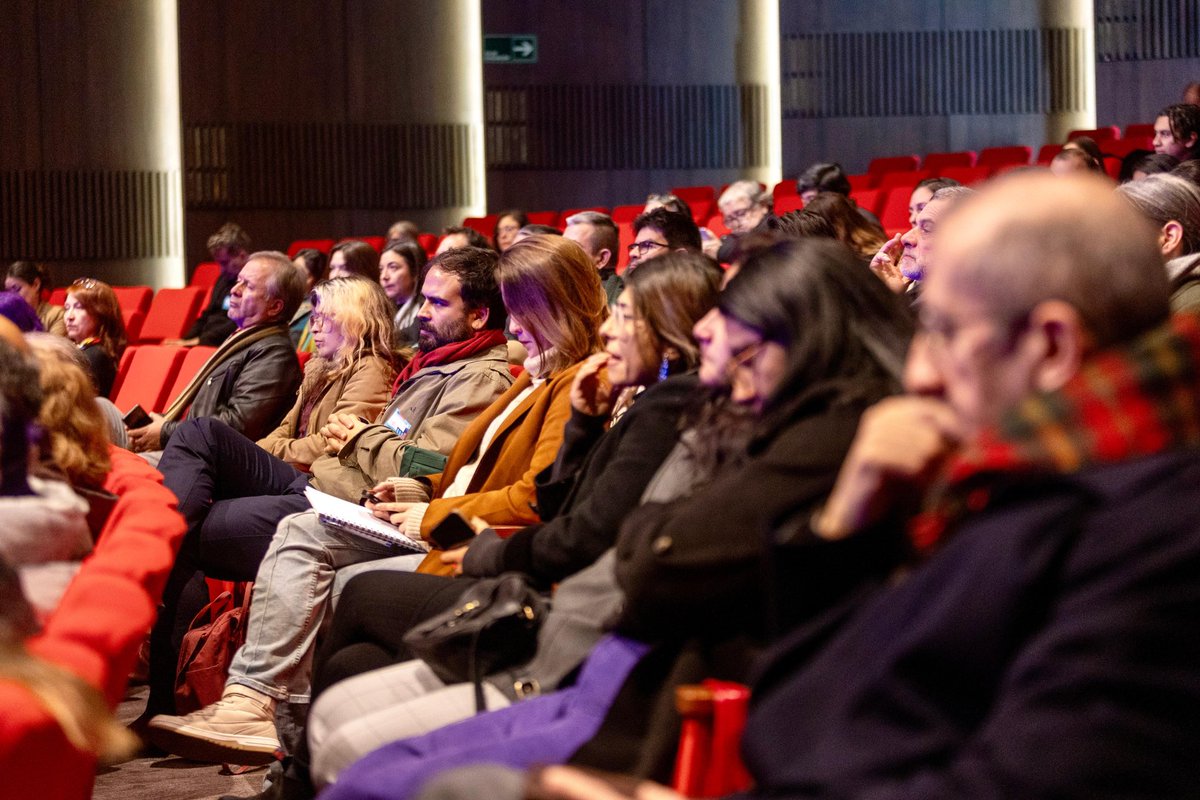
[(207, 651)]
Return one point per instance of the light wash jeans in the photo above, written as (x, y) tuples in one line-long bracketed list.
[(291, 599)]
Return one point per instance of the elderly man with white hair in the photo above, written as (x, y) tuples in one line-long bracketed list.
[(745, 206)]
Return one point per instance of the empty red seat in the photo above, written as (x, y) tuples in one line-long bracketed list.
[(543, 218), (702, 210), (626, 213), (376, 242), (485, 225), (861, 182), (882, 166), (171, 313), (996, 157), (893, 180), (870, 199), (324, 245), (189, 365), (133, 298), (205, 275), (784, 188), (428, 242), (122, 368), (1123, 147), (966, 175), (788, 203), (1145, 129), (1047, 153), (694, 195), (1098, 134), (936, 162), (893, 212), (152, 369), (133, 319), (1112, 165), (58, 297)]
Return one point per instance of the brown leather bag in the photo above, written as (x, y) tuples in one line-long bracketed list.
[(207, 651)]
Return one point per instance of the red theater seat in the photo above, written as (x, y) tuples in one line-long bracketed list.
[(861, 182), (626, 213), (784, 188), (694, 195), (133, 298), (966, 175), (996, 157), (205, 275), (428, 242), (148, 380), (1098, 134), (122, 368), (936, 162), (787, 204), (191, 363), (870, 199), (171, 313), (1047, 153), (570, 212), (58, 297), (485, 225), (133, 319), (893, 214), (376, 242), (1142, 129), (324, 245), (882, 166), (543, 218), (893, 180)]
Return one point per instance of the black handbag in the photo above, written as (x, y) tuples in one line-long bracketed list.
[(493, 626)]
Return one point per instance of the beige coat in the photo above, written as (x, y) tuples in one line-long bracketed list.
[(362, 391), (438, 402), (53, 319)]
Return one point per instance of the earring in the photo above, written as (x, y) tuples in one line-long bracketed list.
[(663, 368)]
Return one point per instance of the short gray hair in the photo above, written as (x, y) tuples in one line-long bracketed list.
[(284, 283), (605, 235), (1163, 198), (751, 190)]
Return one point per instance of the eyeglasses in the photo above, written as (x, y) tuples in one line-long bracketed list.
[(318, 321), (737, 215), (641, 248)]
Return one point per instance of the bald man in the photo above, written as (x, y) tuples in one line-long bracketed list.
[(1045, 643)]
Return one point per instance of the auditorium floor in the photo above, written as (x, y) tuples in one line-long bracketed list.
[(163, 778)]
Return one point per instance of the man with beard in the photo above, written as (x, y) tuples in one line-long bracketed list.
[(904, 260), (234, 492)]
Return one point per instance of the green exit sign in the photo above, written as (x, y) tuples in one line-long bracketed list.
[(516, 48)]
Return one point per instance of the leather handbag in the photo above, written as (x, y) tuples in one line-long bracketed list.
[(493, 626), (207, 651)]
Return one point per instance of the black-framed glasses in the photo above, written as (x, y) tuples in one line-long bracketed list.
[(643, 247)]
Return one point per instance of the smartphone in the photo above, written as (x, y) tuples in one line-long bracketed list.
[(136, 417), (451, 532)]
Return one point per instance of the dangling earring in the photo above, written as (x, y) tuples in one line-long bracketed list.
[(663, 368)]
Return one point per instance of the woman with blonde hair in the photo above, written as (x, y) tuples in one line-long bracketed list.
[(351, 373), (94, 323)]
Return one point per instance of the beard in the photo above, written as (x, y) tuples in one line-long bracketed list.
[(433, 336)]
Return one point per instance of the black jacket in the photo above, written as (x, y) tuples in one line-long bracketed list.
[(251, 390), (596, 480), (1050, 649)]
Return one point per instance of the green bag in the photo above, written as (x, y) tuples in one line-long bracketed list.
[(418, 461)]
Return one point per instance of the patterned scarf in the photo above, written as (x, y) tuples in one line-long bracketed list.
[(1133, 400), (479, 342)]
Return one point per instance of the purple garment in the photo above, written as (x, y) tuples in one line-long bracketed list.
[(20, 313), (544, 730)]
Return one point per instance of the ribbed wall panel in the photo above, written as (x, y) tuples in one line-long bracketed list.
[(326, 166), (77, 214), (932, 73), (1147, 30), (581, 127)]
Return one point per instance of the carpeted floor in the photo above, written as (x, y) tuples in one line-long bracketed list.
[(168, 778)]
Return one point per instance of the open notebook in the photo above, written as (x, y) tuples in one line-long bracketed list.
[(357, 520)]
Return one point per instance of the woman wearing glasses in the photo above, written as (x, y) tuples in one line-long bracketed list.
[(94, 323)]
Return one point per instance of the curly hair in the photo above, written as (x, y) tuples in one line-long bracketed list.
[(76, 434)]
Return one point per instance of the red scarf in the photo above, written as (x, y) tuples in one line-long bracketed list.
[(1133, 400), (479, 342)]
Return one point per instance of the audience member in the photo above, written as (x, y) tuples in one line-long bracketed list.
[(903, 261), (94, 323), (1188, 170), (1172, 205), (1153, 164), (508, 224), (31, 281), (1094, 158), (804, 223), (403, 229), (1191, 93), (668, 201), (1177, 131), (1069, 162), (401, 268), (556, 306), (354, 257), (691, 590), (456, 237), (534, 229), (850, 228), (661, 231), (250, 381), (597, 234), (229, 247), (745, 206), (922, 193), (311, 264), (828, 177)]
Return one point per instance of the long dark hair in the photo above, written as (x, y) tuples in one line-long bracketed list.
[(846, 335)]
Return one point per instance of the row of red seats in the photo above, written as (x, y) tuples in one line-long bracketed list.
[(154, 316)]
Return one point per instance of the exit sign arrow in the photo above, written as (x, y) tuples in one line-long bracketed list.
[(516, 48)]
